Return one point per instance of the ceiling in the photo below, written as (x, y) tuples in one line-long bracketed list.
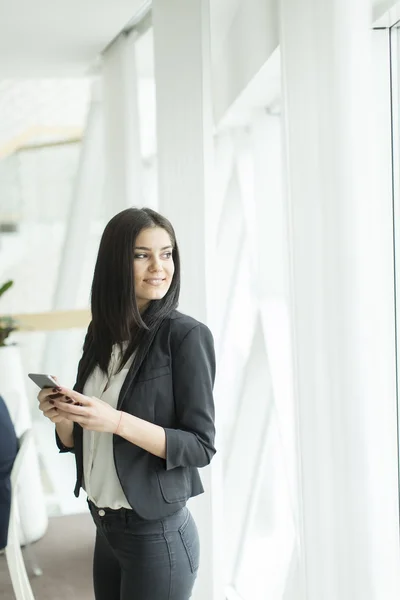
[(53, 38), (63, 38)]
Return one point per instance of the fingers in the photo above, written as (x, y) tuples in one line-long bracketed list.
[(52, 413), (47, 403), (44, 401), (50, 394), (70, 408), (77, 398), (57, 419), (58, 404), (47, 398), (57, 415), (47, 407), (74, 418), (45, 392)]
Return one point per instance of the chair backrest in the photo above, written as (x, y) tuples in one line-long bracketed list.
[(15, 560)]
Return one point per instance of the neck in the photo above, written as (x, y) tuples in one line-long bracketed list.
[(142, 306)]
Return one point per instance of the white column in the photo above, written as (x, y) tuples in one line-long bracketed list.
[(84, 204), (185, 162), (342, 295), (61, 348), (123, 164)]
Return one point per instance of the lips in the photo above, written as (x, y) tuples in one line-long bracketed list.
[(154, 281)]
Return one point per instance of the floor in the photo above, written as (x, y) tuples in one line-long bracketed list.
[(65, 556)]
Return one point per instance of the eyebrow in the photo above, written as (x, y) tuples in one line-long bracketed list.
[(149, 249)]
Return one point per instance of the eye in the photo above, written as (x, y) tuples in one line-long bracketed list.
[(139, 256), (167, 254)]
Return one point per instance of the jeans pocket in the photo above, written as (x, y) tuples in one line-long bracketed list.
[(190, 539)]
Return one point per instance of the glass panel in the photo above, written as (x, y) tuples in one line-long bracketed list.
[(255, 384), (271, 537)]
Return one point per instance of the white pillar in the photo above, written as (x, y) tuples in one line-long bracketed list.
[(342, 293), (61, 347), (185, 163), (123, 164), (84, 204)]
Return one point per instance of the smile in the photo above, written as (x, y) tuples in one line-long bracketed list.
[(154, 282)]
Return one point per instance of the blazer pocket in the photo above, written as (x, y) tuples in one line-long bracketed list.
[(153, 373), (175, 484)]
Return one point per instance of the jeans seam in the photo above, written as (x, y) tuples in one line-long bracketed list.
[(185, 522), (188, 552), (170, 560)]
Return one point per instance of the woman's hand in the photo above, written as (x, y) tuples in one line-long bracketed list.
[(47, 397), (91, 413)]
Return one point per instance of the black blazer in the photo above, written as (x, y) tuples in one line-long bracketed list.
[(173, 388)]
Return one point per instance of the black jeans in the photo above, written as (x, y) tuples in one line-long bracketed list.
[(136, 559)]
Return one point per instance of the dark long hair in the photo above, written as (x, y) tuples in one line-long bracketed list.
[(115, 314)]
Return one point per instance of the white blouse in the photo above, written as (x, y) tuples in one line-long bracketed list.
[(100, 479)]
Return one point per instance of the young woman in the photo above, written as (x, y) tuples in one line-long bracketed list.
[(140, 419)]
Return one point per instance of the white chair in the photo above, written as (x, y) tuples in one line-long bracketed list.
[(15, 560)]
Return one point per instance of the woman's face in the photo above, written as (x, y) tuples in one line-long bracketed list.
[(153, 267)]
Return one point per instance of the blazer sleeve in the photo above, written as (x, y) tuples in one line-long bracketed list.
[(61, 446), (193, 371)]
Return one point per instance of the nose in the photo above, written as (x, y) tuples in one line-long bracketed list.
[(156, 266)]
